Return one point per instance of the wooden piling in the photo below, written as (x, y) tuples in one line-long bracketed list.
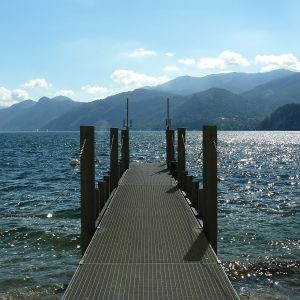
[(105, 190), (101, 187), (87, 182), (125, 149), (184, 181), (181, 156), (194, 194), (200, 203), (97, 202), (210, 184), (172, 151), (169, 146), (189, 182), (107, 186), (114, 168), (119, 170)]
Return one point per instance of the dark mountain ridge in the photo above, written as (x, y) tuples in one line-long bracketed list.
[(147, 107), (286, 117)]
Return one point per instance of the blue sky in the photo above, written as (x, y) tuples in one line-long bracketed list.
[(89, 49)]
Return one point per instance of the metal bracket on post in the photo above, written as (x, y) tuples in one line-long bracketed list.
[(210, 184), (87, 183)]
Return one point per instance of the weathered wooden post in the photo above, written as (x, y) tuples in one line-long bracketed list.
[(87, 183), (169, 146), (188, 187), (172, 151), (119, 170), (181, 156), (185, 180), (97, 202), (125, 149), (101, 187), (114, 168), (107, 186), (194, 196), (200, 203), (210, 184), (121, 162), (169, 138)]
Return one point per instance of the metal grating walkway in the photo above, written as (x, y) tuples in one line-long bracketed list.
[(149, 245)]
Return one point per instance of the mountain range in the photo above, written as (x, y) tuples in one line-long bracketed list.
[(232, 101), (234, 82)]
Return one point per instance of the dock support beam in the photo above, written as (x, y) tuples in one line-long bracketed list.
[(210, 184), (87, 182), (181, 156), (169, 146), (101, 187), (114, 168), (194, 194), (125, 149), (106, 179)]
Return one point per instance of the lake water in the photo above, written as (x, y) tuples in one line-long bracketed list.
[(258, 217)]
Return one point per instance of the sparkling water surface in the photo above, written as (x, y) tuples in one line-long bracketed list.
[(258, 217)]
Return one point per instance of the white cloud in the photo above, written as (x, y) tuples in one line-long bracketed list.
[(93, 89), (233, 59), (187, 61), (211, 63), (225, 60), (19, 95), (38, 83), (130, 79), (171, 69), (283, 61), (142, 52), (66, 93), (5, 94), (9, 97), (170, 54)]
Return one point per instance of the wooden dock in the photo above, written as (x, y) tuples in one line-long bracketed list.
[(149, 242)]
